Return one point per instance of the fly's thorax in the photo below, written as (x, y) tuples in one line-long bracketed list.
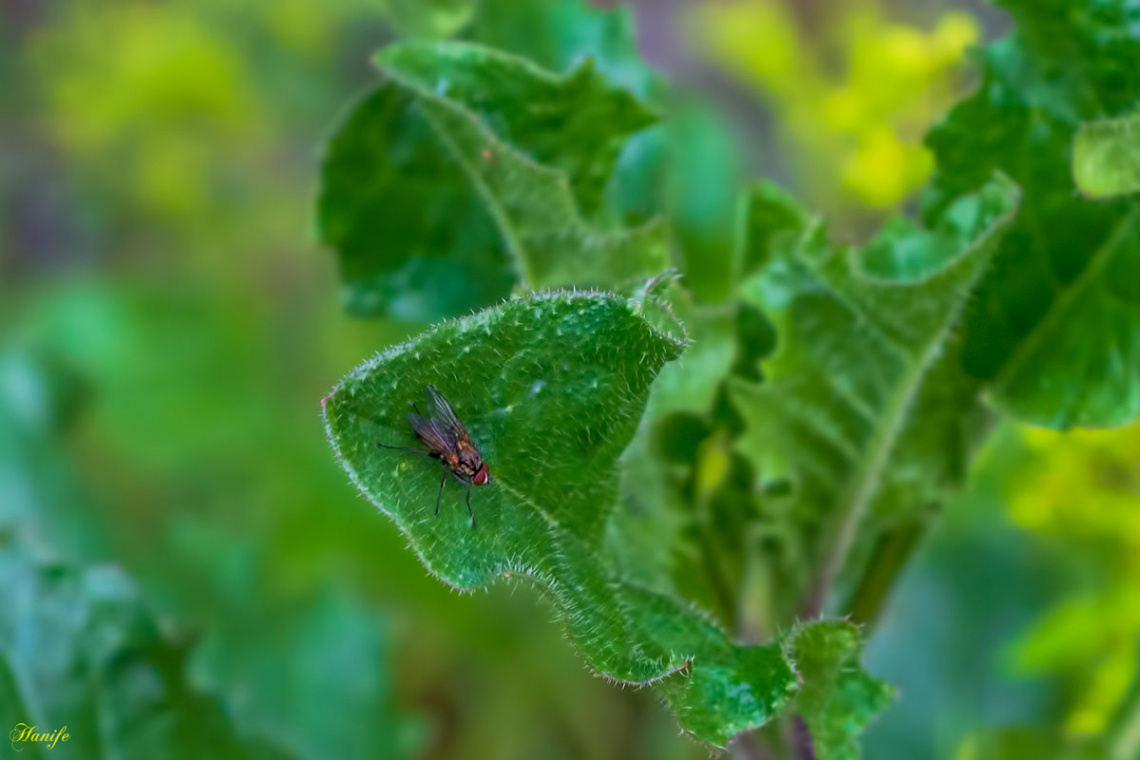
[(469, 462)]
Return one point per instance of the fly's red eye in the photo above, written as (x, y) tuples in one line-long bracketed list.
[(482, 476)]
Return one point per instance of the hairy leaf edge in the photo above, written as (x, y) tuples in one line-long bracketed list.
[(540, 581)]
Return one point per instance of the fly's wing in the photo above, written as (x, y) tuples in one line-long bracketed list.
[(440, 412), (437, 437)]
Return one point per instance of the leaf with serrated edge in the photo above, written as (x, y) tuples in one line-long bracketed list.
[(551, 387), (470, 169), (859, 356), (533, 195), (1054, 325), (838, 699)]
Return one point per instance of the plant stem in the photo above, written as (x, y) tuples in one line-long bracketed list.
[(891, 553), (865, 482), (801, 740), (749, 747)]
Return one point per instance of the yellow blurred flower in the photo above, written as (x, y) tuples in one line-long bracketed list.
[(882, 169), (860, 123)]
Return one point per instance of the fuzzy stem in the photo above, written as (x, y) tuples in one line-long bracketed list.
[(892, 551), (801, 740)]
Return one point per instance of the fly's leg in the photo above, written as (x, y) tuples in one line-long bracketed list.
[(469, 512), (442, 480), (410, 451)]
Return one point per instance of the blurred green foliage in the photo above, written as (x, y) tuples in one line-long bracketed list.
[(1089, 637), (171, 285)]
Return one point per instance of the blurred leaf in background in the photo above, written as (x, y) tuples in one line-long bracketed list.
[(1106, 157), (1080, 493), (80, 655), (944, 639), (1013, 744)]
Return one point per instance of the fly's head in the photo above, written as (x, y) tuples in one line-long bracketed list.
[(482, 475)]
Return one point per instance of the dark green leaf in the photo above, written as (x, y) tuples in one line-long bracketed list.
[(551, 388), (576, 366), (412, 236), (1046, 327), (1081, 363), (573, 124)]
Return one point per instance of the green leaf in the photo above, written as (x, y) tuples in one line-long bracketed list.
[(551, 388), (704, 182), (42, 394), (864, 408), (535, 364), (472, 169), (538, 148), (557, 35), (644, 528), (1046, 327), (837, 700), (574, 124), (412, 236), (77, 649), (669, 526), (772, 222), (1106, 157), (1060, 375)]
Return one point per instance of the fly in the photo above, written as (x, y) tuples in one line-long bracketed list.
[(446, 440)]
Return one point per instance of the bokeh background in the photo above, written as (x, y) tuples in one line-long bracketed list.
[(167, 328)]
